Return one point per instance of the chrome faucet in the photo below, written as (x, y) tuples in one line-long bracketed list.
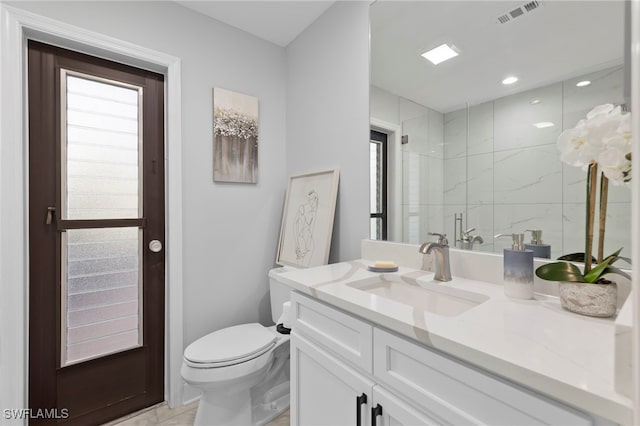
[(467, 240), (443, 269), (442, 238)]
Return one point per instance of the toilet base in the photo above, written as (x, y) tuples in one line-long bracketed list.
[(236, 410), (275, 402), (225, 409)]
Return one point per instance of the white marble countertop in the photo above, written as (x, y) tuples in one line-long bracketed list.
[(532, 342)]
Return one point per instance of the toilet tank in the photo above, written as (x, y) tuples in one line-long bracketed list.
[(279, 291)]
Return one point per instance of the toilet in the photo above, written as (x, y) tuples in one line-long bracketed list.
[(243, 370)]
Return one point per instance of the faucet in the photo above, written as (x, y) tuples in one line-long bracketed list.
[(442, 238), (443, 269), (467, 241)]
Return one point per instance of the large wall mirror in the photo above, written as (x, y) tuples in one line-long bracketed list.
[(461, 144)]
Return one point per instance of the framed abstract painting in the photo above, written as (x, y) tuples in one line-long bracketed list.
[(235, 137)]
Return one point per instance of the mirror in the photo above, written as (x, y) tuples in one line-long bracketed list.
[(462, 142)]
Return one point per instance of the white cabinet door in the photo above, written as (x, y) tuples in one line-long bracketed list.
[(460, 394), (344, 335), (389, 410), (324, 391)]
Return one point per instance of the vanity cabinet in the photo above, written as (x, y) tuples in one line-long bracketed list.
[(326, 391), (347, 371)]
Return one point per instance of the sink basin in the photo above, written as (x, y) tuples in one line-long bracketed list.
[(433, 297)]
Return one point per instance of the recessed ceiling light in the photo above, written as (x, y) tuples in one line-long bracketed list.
[(583, 83), (510, 80), (441, 53), (535, 101), (543, 124)]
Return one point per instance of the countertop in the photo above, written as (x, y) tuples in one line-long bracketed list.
[(534, 343)]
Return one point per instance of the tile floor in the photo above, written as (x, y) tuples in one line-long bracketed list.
[(162, 415)]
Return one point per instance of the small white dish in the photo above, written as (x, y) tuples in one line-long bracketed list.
[(374, 269)]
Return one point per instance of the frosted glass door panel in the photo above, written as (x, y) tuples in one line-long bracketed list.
[(101, 286), (101, 157)]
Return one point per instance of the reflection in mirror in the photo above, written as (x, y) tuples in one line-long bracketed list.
[(482, 148)]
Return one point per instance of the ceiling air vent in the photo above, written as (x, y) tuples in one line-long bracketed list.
[(519, 11), (531, 5)]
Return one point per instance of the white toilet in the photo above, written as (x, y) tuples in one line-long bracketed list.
[(242, 371)]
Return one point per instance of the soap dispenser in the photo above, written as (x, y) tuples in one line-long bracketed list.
[(536, 246), (518, 268)]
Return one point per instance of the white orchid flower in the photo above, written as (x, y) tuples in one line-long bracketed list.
[(603, 110), (614, 165), (605, 128), (574, 146)]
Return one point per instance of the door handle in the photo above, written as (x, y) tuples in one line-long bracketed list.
[(155, 246), (375, 412), (362, 399), (50, 212)]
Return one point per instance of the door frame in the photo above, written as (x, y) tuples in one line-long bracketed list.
[(16, 27), (394, 176)]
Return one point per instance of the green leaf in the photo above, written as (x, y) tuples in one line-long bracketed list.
[(594, 274), (575, 257), (560, 271), (615, 257), (614, 254), (625, 259), (617, 271)]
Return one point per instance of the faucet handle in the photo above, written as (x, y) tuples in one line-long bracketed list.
[(466, 233), (442, 238)]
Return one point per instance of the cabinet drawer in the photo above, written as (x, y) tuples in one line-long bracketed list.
[(342, 334), (458, 393)]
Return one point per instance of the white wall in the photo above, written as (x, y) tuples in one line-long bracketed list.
[(230, 230), (384, 105), (328, 114)]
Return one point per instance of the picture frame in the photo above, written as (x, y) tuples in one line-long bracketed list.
[(235, 136), (307, 219)]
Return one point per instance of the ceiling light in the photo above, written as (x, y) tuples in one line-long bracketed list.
[(510, 80), (441, 53), (535, 101), (543, 124), (583, 83)]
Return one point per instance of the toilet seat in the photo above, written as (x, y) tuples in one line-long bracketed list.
[(230, 346)]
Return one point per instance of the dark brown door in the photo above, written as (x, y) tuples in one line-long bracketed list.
[(96, 230)]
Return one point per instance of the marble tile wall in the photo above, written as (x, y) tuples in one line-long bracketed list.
[(422, 164), (504, 173)]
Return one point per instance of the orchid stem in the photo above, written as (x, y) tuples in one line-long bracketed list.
[(592, 178), (604, 193)]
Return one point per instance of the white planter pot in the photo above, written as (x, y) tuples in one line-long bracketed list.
[(595, 300)]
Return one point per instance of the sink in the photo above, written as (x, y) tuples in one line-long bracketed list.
[(433, 296)]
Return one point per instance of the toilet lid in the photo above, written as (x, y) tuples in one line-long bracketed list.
[(229, 344)]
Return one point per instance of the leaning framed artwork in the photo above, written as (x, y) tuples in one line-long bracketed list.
[(235, 137), (307, 219)]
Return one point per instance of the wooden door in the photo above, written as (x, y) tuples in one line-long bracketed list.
[(96, 230)]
